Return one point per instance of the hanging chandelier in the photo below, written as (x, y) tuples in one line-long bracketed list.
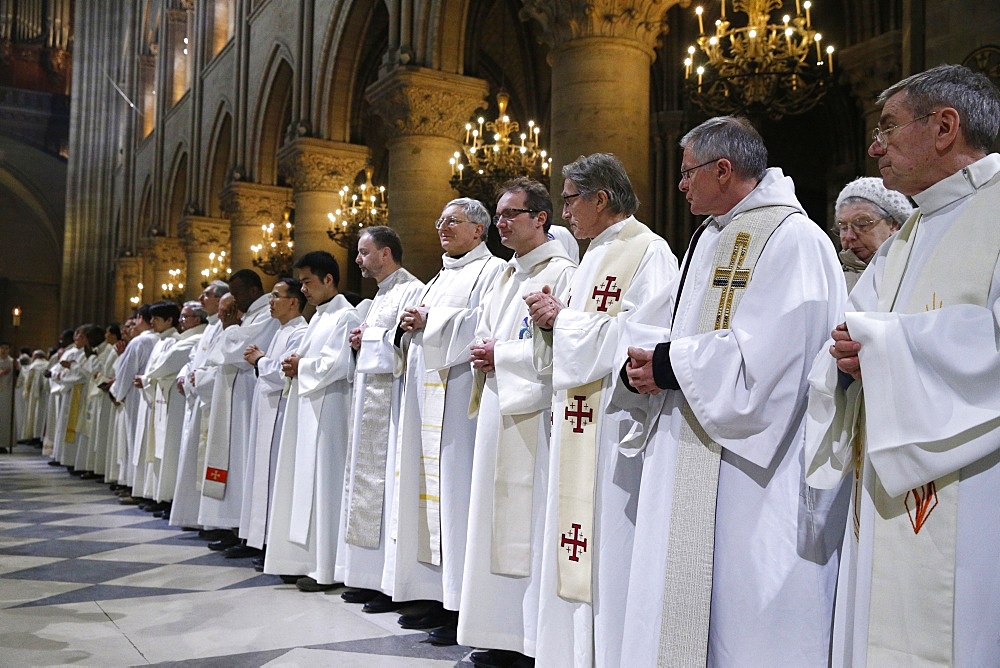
[(361, 206), (273, 255), (173, 289), (495, 152), (218, 268), (136, 299), (758, 68)]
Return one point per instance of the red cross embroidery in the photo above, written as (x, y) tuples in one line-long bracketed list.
[(582, 416), (605, 293), (574, 545), (925, 500), (216, 475)]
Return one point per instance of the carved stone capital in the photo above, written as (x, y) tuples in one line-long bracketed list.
[(202, 233), (311, 164), (254, 204), (167, 252), (421, 101), (872, 66), (563, 21), (129, 270)]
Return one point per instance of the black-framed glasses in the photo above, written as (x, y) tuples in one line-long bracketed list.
[(859, 226), (568, 199), (450, 221), (881, 137), (510, 214), (686, 173)]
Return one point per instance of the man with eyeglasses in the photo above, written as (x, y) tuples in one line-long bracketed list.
[(906, 403), (266, 413), (731, 552), (434, 458), (621, 286), (378, 387)]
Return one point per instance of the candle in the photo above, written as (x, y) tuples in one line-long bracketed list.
[(798, 10), (701, 26), (17, 316), (807, 4), (829, 58), (819, 54), (723, 9)]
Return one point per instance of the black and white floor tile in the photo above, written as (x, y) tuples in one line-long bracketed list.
[(86, 581)]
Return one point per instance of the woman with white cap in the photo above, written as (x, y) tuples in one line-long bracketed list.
[(867, 213)]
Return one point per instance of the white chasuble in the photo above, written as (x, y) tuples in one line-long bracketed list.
[(145, 455), (102, 411), (35, 398), (585, 347), (267, 413), (918, 581), (774, 563), (435, 443), (510, 467), (70, 380), (130, 364), (369, 482), (302, 533)]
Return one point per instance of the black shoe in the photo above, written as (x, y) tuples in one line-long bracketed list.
[(444, 636), (418, 610), (258, 564), (429, 621), (89, 475), (290, 579), (54, 462), (214, 534), (224, 543), (501, 658), (308, 584), (381, 603), (241, 552), (355, 595), (128, 500)]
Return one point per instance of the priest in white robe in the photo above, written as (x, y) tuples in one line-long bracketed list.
[(734, 561), (905, 403), (102, 409), (71, 400), (589, 527), (268, 409), (187, 489), (309, 476), (131, 364), (36, 387), (49, 432), (500, 585), (378, 386), (229, 416), (9, 371), (426, 554)]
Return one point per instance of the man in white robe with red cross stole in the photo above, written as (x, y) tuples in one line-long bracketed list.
[(905, 405), (735, 561), (592, 489)]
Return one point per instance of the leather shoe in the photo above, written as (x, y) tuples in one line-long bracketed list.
[(381, 603), (429, 621), (128, 500), (258, 564), (89, 475), (290, 579), (54, 462), (241, 552), (501, 658), (444, 636), (308, 584), (223, 543), (214, 534), (355, 595)]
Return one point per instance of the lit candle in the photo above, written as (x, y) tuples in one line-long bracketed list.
[(701, 71), (723, 9), (468, 129), (807, 4), (798, 10), (829, 58), (17, 316), (819, 54), (701, 26)]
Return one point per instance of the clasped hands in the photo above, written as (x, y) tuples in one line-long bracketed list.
[(845, 351), (413, 318), (543, 307)]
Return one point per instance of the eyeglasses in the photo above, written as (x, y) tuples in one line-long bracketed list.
[(568, 199), (450, 221), (859, 226), (511, 214), (881, 137), (272, 297), (686, 173)]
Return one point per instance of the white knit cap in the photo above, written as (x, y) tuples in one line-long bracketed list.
[(871, 189)]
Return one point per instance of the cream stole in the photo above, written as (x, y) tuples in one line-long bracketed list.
[(434, 391), (366, 491), (579, 423), (687, 596), (913, 569)]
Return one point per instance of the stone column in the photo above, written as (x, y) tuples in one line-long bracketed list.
[(317, 170), (201, 236), (425, 111), (128, 272), (601, 52), (248, 206)]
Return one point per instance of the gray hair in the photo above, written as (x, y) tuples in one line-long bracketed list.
[(603, 171), (218, 287), (475, 210), (197, 310), (970, 93), (733, 138)]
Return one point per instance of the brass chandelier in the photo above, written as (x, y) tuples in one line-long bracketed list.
[(218, 268), (173, 289), (361, 206), (495, 152), (760, 68), (273, 255)]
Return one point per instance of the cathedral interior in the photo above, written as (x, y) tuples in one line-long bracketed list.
[(140, 139)]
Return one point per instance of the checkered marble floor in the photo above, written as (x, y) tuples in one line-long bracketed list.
[(84, 580)]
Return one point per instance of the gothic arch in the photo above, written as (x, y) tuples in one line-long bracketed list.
[(271, 118), (219, 159), (146, 221), (177, 192)]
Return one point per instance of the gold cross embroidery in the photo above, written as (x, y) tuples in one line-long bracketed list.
[(731, 278)]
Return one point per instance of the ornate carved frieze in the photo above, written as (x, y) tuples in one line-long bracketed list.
[(202, 233), (562, 21), (167, 252), (311, 164), (254, 204), (420, 101)]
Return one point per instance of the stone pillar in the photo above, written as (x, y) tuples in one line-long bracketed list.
[(317, 170), (425, 112), (248, 206), (601, 52), (128, 272), (201, 236)]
